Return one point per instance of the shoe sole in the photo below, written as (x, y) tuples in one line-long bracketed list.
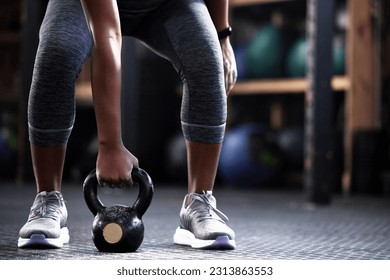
[(187, 238), (39, 241)]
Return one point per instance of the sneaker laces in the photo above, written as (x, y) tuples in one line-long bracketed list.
[(209, 212), (48, 207)]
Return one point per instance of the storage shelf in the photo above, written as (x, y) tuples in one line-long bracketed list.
[(360, 85), (284, 86)]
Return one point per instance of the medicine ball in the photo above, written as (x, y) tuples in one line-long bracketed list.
[(291, 145), (249, 155), (264, 53), (297, 57)]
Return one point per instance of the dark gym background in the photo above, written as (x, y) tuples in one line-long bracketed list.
[(310, 113)]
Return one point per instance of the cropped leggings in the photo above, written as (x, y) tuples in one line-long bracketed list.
[(178, 30)]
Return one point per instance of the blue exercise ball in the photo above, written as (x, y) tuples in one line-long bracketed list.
[(249, 155)]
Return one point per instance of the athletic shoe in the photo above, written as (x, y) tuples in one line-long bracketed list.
[(202, 225), (46, 224)]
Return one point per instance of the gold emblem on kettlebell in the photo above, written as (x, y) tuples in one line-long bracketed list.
[(112, 233)]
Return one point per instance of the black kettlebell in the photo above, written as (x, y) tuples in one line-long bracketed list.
[(118, 228)]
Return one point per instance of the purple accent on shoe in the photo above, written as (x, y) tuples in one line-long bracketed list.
[(222, 242), (39, 238), (39, 241)]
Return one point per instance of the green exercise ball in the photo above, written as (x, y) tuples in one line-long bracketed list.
[(297, 55), (296, 59), (264, 53)]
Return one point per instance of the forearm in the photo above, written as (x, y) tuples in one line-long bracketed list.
[(106, 95), (219, 12), (103, 19)]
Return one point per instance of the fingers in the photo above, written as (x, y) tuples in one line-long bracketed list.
[(229, 65), (114, 167), (230, 76), (120, 183)]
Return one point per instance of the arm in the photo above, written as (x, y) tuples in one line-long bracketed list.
[(219, 12), (114, 162)]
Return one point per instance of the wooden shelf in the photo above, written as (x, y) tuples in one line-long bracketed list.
[(238, 3), (284, 86), (360, 85)]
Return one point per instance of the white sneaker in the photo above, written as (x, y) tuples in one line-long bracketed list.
[(46, 224), (202, 225)]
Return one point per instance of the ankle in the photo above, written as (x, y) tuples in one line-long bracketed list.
[(48, 189)]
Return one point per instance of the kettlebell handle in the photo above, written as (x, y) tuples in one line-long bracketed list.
[(146, 190), (140, 206)]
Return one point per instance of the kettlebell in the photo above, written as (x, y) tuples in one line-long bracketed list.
[(118, 228)]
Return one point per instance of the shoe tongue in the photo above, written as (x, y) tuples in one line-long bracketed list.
[(211, 198), (46, 193), (208, 193), (41, 196), (206, 196), (52, 193)]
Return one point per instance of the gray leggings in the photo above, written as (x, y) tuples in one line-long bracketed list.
[(178, 30)]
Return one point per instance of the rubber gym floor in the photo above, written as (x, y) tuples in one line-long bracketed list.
[(269, 225)]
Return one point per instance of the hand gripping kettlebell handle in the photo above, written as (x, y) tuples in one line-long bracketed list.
[(140, 206)]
